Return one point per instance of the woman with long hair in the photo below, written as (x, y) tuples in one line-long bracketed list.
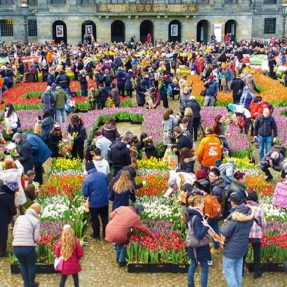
[(11, 119), (169, 122), (186, 160), (70, 251), (197, 227), (122, 191)]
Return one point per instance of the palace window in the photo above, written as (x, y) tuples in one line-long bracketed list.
[(32, 27), (6, 2), (32, 2), (6, 28), (57, 2), (269, 25), (269, 2), (230, 1), (174, 1)]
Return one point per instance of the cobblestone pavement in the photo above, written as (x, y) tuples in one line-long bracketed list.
[(99, 269)]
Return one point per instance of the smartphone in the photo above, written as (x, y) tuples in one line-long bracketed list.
[(205, 217)]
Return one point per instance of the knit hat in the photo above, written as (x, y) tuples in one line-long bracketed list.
[(54, 86), (200, 174), (231, 107), (13, 185), (139, 208)]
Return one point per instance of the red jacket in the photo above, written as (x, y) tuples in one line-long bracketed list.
[(72, 265), (256, 109), (122, 220)]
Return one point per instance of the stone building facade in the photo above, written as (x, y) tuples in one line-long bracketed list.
[(119, 20)]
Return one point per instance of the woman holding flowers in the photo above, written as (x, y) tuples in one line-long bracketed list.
[(77, 131), (70, 251), (122, 190), (169, 122)]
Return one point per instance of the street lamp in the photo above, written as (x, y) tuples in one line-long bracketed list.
[(25, 10), (284, 13)]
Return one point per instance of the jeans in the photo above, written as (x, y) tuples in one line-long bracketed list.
[(264, 145), (264, 166), (64, 278), (214, 224), (232, 271), (103, 212), (27, 259), (3, 239), (78, 149), (121, 252), (60, 115), (203, 275), (209, 101), (165, 102)]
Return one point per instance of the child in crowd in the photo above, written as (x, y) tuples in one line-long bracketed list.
[(70, 251), (37, 127)]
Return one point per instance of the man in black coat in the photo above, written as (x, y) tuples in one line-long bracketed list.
[(237, 86), (194, 105), (24, 150), (120, 155), (7, 211), (182, 139)]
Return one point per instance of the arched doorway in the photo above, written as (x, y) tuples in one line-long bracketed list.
[(174, 31), (59, 31), (230, 27), (202, 31), (89, 27), (118, 31), (146, 27)]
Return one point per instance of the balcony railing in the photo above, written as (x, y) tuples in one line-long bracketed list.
[(147, 7)]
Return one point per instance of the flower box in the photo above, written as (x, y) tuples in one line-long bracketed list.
[(148, 268), (157, 268), (40, 269), (269, 267), (179, 268)]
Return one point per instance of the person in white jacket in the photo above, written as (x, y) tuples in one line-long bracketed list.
[(100, 163), (12, 171), (11, 119)]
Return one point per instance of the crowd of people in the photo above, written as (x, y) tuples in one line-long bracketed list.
[(110, 159)]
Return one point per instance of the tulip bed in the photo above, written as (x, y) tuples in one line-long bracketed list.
[(62, 203), (163, 216), (270, 90)]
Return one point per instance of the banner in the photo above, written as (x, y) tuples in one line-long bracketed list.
[(218, 32)]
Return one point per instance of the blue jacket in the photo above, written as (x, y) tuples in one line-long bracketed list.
[(246, 97), (122, 199), (95, 186), (202, 253), (121, 75), (236, 231), (211, 90), (40, 150)]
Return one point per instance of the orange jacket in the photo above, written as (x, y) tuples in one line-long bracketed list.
[(209, 150), (49, 57), (1, 82)]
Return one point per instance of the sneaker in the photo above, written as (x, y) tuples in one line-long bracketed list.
[(215, 250), (122, 264), (209, 262), (94, 236)]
